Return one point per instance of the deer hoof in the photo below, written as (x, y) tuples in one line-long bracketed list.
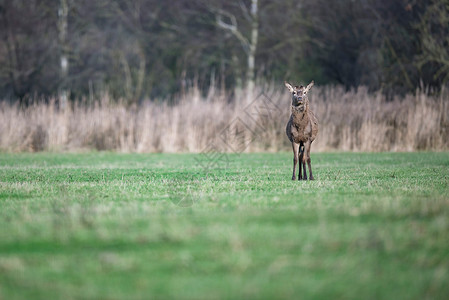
[(311, 178), (293, 178)]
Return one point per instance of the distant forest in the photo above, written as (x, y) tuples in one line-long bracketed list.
[(145, 49)]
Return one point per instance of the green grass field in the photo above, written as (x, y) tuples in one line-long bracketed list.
[(131, 226)]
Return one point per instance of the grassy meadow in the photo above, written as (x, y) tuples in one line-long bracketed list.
[(157, 226)]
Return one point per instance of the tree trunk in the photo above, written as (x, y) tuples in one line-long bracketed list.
[(249, 44), (63, 12), (252, 46)]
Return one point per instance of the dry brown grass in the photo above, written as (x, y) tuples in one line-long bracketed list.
[(349, 121)]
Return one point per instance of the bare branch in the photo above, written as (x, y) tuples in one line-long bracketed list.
[(245, 11), (233, 29), (227, 26)]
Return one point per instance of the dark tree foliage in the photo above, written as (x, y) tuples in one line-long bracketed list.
[(28, 46), (149, 48)]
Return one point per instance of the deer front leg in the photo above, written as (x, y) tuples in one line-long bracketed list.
[(295, 148), (301, 155), (309, 162), (304, 159)]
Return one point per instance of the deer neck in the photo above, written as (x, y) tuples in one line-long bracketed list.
[(300, 117)]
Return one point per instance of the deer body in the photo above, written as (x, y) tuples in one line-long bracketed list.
[(302, 126), (302, 129)]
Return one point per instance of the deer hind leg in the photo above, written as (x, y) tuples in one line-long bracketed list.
[(309, 163), (301, 155), (295, 148)]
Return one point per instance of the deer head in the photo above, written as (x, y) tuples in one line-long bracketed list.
[(299, 93)]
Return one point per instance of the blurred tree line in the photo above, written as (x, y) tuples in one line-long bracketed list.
[(150, 48)]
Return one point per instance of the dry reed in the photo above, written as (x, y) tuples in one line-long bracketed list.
[(349, 121)]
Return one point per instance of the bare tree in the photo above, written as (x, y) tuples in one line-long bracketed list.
[(130, 15), (434, 34), (27, 45), (249, 43), (63, 12)]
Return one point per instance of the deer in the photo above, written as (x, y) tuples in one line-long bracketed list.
[(302, 129)]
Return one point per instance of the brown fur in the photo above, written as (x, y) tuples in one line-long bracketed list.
[(302, 129)]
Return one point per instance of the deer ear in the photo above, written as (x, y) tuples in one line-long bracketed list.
[(288, 85), (309, 87)]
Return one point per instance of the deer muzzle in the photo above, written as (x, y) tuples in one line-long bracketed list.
[(298, 102)]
